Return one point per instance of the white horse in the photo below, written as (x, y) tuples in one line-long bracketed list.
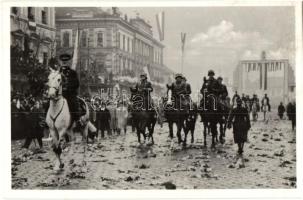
[(58, 117)]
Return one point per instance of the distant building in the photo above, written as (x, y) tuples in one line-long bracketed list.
[(272, 76), (36, 26), (119, 48)]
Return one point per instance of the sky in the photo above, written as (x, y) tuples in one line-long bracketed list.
[(219, 37)]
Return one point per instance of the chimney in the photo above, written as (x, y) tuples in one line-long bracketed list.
[(125, 17)]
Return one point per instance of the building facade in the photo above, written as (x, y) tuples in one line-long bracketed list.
[(32, 29), (112, 49), (275, 77)]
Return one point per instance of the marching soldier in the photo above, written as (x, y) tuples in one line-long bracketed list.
[(144, 87), (239, 120)]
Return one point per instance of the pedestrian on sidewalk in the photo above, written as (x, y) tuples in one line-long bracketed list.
[(239, 120), (281, 110)]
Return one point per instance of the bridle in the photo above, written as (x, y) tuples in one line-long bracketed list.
[(57, 89)]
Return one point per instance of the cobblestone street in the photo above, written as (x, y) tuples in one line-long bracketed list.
[(118, 162)]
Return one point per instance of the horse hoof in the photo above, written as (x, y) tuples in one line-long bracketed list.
[(61, 166)]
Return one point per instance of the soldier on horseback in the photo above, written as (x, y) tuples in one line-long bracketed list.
[(180, 91), (223, 93), (144, 87), (70, 85), (210, 85)]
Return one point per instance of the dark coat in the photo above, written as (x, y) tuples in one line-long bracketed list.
[(36, 123), (239, 118), (70, 82), (281, 109), (144, 87), (212, 86), (103, 118)]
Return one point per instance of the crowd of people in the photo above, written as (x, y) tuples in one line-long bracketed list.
[(28, 118)]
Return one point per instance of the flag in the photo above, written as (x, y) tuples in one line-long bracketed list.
[(145, 69), (76, 51), (183, 37), (160, 23)]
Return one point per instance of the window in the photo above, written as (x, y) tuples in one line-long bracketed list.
[(43, 16), (30, 13), (123, 47), (15, 10), (84, 39), (254, 67), (45, 58), (128, 45), (66, 39), (100, 39), (118, 39)]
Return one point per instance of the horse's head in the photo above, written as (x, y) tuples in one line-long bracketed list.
[(169, 94), (54, 84)]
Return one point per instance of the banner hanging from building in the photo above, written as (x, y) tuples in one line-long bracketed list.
[(76, 51), (160, 23)]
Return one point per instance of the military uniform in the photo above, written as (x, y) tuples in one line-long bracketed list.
[(70, 85), (144, 87), (239, 118)]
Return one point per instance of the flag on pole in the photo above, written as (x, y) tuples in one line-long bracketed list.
[(76, 51), (160, 23), (183, 38), (145, 69)]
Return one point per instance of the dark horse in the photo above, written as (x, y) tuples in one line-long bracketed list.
[(212, 113), (224, 108), (190, 122), (143, 115), (175, 111)]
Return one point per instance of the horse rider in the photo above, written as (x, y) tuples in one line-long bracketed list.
[(265, 101), (223, 93), (180, 89), (70, 85), (144, 87), (210, 85), (188, 89)]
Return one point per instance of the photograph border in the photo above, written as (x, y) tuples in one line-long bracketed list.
[(8, 192)]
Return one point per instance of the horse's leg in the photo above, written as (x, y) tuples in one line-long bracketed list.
[(170, 127), (192, 131), (205, 133), (186, 130), (179, 128), (138, 134), (213, 129)]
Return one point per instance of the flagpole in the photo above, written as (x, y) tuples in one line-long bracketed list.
[(182, 59)]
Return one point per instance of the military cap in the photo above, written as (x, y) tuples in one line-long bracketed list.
[(220, 78), (178, 75), (65, 57), (211, 72), (144, 74)]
